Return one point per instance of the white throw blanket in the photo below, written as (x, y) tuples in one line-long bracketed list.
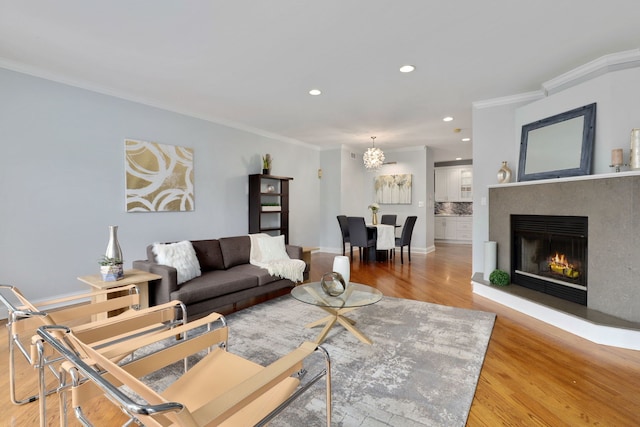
[(270, 252)]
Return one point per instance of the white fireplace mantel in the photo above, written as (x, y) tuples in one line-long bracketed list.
[(568, 179)]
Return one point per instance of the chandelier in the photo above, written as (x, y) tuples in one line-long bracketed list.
[(373, 157)]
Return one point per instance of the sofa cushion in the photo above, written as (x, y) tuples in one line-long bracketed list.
[(235, 250), (180, 256), (209, 254), (261, 274), (213, 284)]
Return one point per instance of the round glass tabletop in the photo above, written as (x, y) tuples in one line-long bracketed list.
[(356, 295)]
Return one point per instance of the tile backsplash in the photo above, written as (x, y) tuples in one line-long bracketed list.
[(454, 208)]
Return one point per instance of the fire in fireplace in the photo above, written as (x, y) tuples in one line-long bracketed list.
[(550, 255)]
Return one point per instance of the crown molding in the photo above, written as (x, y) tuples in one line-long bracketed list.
[(508, 100), (604, 64), (79, 84), (595, 68)]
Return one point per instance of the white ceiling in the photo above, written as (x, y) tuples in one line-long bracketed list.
[(251, 63)]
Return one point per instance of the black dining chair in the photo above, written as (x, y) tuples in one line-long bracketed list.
[(388, 219), (344, 230), (405, 237), (359, 236)]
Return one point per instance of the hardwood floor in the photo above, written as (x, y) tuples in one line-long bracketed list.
[(533, 375)]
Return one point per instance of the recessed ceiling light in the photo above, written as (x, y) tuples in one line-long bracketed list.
[(458, 158), (447, 119), (407, 68), (466, 139), (315, 92)]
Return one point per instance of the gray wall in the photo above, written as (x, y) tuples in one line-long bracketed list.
[(62, 181)]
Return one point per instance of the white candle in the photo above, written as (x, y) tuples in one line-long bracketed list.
[(616, 157)]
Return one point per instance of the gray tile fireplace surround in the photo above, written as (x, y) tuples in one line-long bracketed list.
[(612, 204)]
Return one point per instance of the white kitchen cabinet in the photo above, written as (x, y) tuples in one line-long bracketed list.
[(440, 228), (453, 184), (466, 184), (454, 228), (464, 228), (441, 185)]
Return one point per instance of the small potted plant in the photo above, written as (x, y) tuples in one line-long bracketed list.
[(499, 277), (111, 269), (266, 164)]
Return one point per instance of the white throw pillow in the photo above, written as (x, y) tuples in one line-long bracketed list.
[(180, 256), (272, 248)]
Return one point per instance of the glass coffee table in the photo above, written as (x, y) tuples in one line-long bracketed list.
[(356, 295)]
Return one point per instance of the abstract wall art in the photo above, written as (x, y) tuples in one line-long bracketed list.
[(393, 189), (159, 177)]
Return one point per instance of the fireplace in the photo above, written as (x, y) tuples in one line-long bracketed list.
[(549, 255)]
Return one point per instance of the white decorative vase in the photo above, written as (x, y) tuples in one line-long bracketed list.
[(341, 265)]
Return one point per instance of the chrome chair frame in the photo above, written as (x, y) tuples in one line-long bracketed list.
[(87, 368), (104, 334)]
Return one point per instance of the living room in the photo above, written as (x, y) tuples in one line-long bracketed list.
[(63, 169)]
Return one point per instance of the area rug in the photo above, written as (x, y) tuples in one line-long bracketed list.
[(422, 369)]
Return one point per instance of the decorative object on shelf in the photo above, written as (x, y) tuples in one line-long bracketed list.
[(266, 164), (271, 207), (374, 157), (634, 161), (271, 188), (341, 265), (374, 212), (111, 269), (159, 177), (617, 159), (504, 173), (499, 277), (333, 284)]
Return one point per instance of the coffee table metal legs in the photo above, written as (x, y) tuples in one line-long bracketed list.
[(337, 316)]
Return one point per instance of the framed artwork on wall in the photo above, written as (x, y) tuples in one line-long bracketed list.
[(393, 189), (159, 177)]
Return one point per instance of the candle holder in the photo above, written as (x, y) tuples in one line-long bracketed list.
[(617, 159), (618, 166)]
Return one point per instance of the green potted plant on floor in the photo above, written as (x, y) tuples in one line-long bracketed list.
[(499, 277), (111, 269)]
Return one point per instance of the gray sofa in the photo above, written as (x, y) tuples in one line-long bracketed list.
[(227, 277)]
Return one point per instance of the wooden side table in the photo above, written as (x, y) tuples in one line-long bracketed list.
[(131, 277), (306, 256)]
